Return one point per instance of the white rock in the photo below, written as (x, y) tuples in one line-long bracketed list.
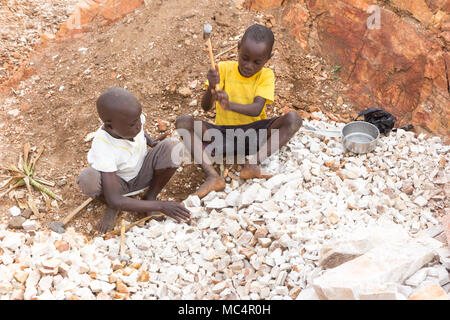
[(29, 225), (420, 201), (219, 287), (314, 147), (216, 204), (45, 283), (233, 199), (308, 294), (105, 287), (192, 201), (13, 241), (393, 262), (14, 211), (264, 242), (417, 278)]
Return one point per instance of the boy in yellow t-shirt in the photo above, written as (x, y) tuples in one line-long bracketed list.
[(245, 88)]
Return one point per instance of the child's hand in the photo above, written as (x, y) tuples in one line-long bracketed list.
[(222, 98), (213, 77), (152, 143), (176, 211)]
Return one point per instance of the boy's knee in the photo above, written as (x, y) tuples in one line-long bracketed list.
[(294, 121), (90, 182), (167, 151), (168, 143), (185, 122)]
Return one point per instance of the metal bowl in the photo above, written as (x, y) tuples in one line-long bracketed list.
[(360, 137)]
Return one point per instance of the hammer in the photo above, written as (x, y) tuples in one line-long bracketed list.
[(207, 29), (58, 226)]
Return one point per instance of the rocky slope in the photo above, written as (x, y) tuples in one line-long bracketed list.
[(394, 54)]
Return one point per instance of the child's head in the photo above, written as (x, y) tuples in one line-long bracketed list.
[(120, 112), (255, 49)]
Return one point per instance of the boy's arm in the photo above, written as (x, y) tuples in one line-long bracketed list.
[(209, 98), (150, 142), (114, 199), (253, 109)]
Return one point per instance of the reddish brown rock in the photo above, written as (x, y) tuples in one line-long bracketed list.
[(418, 8), (112, 10), (263, 4), (88, 12), (405, 72), (297, 15)]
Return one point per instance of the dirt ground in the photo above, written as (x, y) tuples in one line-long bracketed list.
[(152, 52)]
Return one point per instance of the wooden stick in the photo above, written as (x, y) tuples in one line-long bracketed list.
[(211, 58), (74, 212), (122, 238), (131, 225)]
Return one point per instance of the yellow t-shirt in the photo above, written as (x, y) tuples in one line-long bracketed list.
[(243, 90)]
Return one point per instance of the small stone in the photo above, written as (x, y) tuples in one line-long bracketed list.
[(21, 276), (420, 201), (162, 125), (192, 201), (16, 222), (29, 225), (121, 287), (433, 292), (27, 213), (219, 287), (261, 232), (62, 246), (144, 277), (264, 242), (185, 92), (217, 204), (14, 211)]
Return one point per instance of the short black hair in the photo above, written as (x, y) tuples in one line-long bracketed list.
[(260, 33)]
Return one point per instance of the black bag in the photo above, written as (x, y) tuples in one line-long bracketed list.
[(383, 120)]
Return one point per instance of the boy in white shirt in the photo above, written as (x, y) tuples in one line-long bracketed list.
[(120, 162)]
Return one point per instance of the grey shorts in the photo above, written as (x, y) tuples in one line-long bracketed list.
[(159, 157)]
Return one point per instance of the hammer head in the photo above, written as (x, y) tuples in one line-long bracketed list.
[(57, 226), (207, 29)]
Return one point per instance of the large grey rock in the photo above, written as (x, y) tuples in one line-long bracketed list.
[(361, 241), (392, 262)]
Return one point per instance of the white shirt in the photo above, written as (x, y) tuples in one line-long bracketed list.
[(125, 157)]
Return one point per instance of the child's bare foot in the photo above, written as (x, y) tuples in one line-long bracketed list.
[(213, 183), (106, 224), (250, 171)]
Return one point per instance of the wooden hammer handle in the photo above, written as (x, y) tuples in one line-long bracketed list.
[(74, 212), (211, 58)]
